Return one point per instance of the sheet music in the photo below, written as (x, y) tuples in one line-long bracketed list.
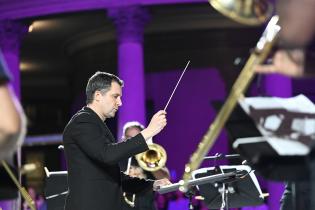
[(298, 103), (282, 147), (287, 124)]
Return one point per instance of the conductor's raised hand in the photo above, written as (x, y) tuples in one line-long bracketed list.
[(157, 123)]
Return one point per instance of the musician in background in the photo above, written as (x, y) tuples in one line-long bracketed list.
[(143, 200)]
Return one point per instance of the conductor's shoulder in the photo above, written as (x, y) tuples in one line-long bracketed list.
[(83, 115)]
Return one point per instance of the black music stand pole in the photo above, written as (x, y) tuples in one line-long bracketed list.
[(225, 197), (189, 194), (226, 192)]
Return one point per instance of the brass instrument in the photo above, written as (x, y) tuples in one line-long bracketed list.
[(249, 12), (30, 202), (131, 203), (260, 53), (153, 159)]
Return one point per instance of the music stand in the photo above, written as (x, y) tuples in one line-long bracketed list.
[(56, 189), (269, 163), (193, 182), (237, 192), (284, 152), (259, 153)]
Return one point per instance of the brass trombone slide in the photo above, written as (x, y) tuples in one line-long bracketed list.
[(30, 202), (260, 53)]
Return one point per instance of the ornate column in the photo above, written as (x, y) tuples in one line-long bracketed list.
[(11, 33), (130, 23), (279, 86)]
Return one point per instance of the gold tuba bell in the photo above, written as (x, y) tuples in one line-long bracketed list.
[(152, 159)]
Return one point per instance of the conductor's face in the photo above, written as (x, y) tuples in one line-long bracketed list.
[(110, 101)]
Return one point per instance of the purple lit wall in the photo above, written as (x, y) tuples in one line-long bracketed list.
[(277, 85), (189, 114)]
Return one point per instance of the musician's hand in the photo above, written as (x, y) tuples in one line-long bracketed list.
[(136, 171), (159, 183), (157, 123), (286, 62)]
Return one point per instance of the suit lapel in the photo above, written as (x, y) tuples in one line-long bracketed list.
[(106, 130), (109, 133)]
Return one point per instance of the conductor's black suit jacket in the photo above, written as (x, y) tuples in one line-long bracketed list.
[(94, 177)]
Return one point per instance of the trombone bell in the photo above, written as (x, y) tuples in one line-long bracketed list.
[(249, 12), (153, 159)]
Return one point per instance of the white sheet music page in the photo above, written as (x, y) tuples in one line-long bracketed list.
[(287, 124)]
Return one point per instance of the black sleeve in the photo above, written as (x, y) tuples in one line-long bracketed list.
[(96, 144), (136, 185), (4, 73), (123, 164)]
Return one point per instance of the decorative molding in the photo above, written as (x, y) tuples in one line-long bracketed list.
[(129, 22), (17, 9), (35, 8)]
